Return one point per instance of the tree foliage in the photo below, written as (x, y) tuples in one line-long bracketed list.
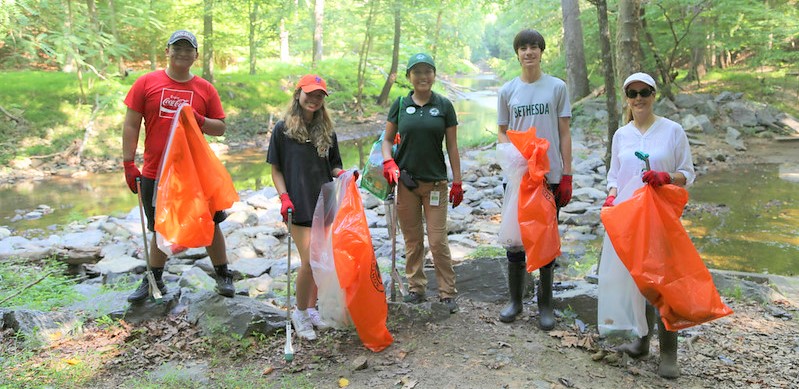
[(459, 33)]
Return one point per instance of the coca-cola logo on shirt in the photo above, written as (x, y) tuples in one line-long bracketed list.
[(171, 99)]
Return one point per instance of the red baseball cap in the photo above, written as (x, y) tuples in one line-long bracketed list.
[(312, 82)]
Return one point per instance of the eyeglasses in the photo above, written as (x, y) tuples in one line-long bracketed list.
[(632, 93)]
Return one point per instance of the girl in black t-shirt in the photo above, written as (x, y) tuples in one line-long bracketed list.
[(304, 155)]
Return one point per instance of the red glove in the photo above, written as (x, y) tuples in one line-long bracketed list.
[(390, 171), (355, 174), (656, 178), (609, 201), (456, 194), (199, 118), (131, 174), (563, 194), (285, 205)]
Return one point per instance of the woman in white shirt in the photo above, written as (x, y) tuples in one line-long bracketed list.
[(622, 308)]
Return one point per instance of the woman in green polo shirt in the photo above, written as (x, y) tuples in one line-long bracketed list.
[(424, 120)]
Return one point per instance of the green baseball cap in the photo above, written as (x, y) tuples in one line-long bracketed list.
[(417, 59)]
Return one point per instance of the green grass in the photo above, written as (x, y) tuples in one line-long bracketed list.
[(486, 252), (52, 292), (55, 115), (27, 368)]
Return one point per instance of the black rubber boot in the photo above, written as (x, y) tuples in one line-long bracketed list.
[(224, 281), (639, 348), (516, 273), (143, 291), (546, 315), (668, 353)]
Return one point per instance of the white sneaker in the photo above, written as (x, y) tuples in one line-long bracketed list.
[(316, 319), (302, 324)]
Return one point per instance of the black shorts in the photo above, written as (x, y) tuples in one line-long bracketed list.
[(148, 199), (301, 224)]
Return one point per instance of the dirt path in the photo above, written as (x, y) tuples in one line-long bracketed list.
[(752, 348)]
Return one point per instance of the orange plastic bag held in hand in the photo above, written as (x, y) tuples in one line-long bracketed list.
[(355, 264), (650, 240), (192, 186), (538, 219)]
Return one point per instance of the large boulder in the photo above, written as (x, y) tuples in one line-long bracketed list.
[(238, 315)]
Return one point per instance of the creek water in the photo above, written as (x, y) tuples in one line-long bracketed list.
[(749, 219), (752, 223)]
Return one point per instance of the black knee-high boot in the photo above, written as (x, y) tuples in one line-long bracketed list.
[(668, 353), (516, 273), (546, 315), (640, 347)]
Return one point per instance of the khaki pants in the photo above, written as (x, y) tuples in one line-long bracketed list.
[(410, 204)]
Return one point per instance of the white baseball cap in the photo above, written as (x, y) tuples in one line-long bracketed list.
[(642, 77)]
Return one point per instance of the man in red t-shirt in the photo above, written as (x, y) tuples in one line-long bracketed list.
[(155, 97)]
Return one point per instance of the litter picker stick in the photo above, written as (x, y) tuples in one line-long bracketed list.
[(288, 349), (391, 204), (154, 291), (644, 157)]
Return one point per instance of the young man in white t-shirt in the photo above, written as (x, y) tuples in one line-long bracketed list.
[(536, 99)]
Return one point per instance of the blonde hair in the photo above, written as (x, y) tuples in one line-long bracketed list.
[(319, 131), (628, 114)]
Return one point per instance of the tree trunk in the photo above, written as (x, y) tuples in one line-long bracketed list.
[(392, 74), (319, 18), (436, 33), (208, 41), (697, 70), (97, 29), (153, 47), (251, 35), (663, 68), (628, 45), (576, 70), (713, 52), (284, 41), (72, 52), (123, 72), (363, 58), (607, 70)]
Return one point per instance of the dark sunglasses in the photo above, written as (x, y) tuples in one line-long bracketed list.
[(632, 93)]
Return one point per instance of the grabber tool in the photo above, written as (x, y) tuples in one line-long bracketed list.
[(155, 293), (288, 349), (644, 157), (391, 217)]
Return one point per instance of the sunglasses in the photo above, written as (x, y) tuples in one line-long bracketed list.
[(632, 93)]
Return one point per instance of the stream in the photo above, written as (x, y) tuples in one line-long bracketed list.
[(745, 219)]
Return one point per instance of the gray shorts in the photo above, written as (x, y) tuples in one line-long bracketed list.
[(148, 198)]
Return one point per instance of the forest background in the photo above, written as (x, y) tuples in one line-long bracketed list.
[(66, 65)]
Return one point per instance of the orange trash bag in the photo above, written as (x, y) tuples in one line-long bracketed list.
[(538, 219), (192, 186), (650, 240), (355, 263)]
